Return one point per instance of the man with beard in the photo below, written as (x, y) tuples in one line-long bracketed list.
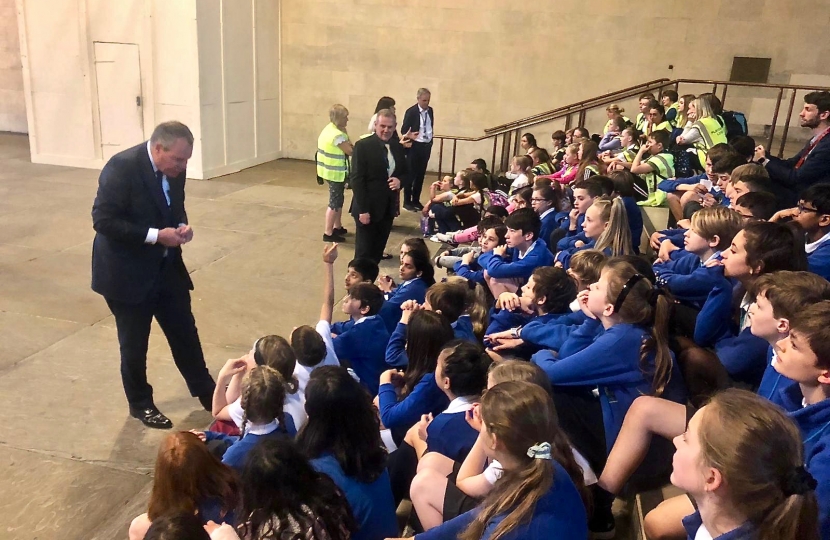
[(378, 165), (792, 176)]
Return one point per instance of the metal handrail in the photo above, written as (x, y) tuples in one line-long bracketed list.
[(511, 131)]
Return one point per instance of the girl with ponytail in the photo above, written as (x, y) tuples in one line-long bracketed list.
[(606, 228), (541, 493), (742, 461)]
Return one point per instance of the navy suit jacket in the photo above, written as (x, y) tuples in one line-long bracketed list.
[(412, 119), (789, 182), (130, 201)]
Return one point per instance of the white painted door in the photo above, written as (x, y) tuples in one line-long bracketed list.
[(119, 96)]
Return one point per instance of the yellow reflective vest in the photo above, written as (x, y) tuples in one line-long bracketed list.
[(662, 166), (712, 132), (673, 121), (332, 162)]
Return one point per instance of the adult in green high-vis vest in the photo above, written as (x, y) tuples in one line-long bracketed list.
[(706, 131), (333, 151)]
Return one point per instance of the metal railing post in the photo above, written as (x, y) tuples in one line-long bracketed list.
[(775, 116), (493, 161), (723, 96), (440, 157), (787, 125), (454, 146)]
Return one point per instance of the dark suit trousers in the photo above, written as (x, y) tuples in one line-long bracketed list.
[(169, 303), (370, 240), (417, 159)]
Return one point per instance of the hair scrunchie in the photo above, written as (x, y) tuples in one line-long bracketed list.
[(654, 295), (539, 451), (798, 482)]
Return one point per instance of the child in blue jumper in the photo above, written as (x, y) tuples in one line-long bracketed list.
[(471, 265), (452, 298), (523, 252), (686, 274), (263, 394), (584, 193), (542, 493), (363, 344), (546, 202), (813, 215), (546, 297), (605, 228), (417, 275), (403, 397)]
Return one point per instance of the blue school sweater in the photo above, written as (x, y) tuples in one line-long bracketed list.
[(774, 386), (238, 450), (558, 515), (569, 241), (502, 319), (612, 364), (511, 266), (372, 504), (688, 279), (340, 327), (741, 353), (813, 422), (449, 434), (462, 328), (818, 261), (364, 346), (565, 255), (425, 398), (475, 270), (675, 235), (415, 289), (566, 224), (635, 222), (552, 334), (581, 337), (673, 183), (550, 223), (694, 522), (396, 348)]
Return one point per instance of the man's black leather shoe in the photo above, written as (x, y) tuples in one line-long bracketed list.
[(152, 418)]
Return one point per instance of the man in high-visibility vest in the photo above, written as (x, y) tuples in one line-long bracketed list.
[(333, 151)]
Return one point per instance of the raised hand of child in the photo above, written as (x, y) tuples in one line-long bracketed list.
[(582, 300), (385, 283), (232, 367), (500, 250), (467, 258), (330, 253), (200, 434), (473, 417)]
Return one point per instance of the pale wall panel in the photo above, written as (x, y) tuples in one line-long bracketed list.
[(237, 40), (239, 119), (12, 101)]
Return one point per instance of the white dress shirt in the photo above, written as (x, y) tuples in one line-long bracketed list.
[(425, 129)]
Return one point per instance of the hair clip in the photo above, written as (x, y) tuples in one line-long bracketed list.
[(632, 281), (539, 451), (798, 482)]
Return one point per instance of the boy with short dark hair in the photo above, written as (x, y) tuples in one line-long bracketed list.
[(363, 344), (804, 357), (361, 270), (584, 193), (756, 206), (659, 165), (523, 252), (813, 215)]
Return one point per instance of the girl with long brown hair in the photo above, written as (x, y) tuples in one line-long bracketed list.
[(541, 493), (188, 479)]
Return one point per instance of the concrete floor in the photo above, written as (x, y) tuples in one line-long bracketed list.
[(75, 465)]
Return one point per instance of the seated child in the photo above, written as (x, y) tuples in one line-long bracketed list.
[(622, 158), (669, 100), (403, 397), (756, 206), (546, 297), (469, 206), (444, 489), (624, 187), (584, 193), (470, 265), (567, 173), (557, 148), (541, 162), (520, 173), (263, 394), (813, 215), (546, 202), (611, 141), (659, 165), (746, 178), (686, 273), (363, 345), (657, 120), (361, 270), (722, 169), (588, 160), (519, 430), (701, 184), (507, 270), (605, 228), (441, 192), (440, 210), (417, 275)]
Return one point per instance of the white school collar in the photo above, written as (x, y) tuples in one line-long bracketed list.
[(529, 249), (460, 404), (546, 212), (363, 319), (812, 246), (262, 429)]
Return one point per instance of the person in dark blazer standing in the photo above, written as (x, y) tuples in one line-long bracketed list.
[(140, 225), (378, 165), (418, 123)]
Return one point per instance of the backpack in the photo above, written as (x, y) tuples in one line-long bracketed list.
[(682, 162), (736, 125), (498, 198)]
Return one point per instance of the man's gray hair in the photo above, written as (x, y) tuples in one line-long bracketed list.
[(386, 113), (167, 133), (422, 91)]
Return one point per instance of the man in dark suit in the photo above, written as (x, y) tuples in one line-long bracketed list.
[(418, 119), (378, 164), (812, 165), (140, 223)]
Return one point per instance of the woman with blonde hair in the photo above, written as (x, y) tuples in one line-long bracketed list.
[(706, 131), (614, 111)]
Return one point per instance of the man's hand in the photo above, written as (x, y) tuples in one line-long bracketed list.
[(409, 136), (500, 250), (170, 237), (330, 253), (186, 232), (760, 153), (365, 219), (394, 183)]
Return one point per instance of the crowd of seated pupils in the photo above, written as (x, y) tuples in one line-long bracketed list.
[(517, 396)]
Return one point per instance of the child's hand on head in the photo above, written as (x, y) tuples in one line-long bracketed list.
[(509, 301), (200, 434), (330, 253), (426, 420), (232, 367)]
